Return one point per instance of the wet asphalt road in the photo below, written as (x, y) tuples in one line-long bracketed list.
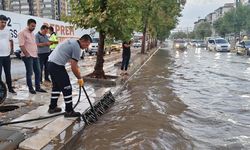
[(193, 99)]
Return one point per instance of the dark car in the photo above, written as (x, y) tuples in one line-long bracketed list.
[(200, 43)]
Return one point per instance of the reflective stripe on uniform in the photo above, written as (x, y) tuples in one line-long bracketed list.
[(54, 97), (55, 92), (67, 102), (70, 96)]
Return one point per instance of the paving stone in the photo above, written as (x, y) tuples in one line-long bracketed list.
[(45, 135)]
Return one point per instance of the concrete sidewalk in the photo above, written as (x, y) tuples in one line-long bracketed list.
[(58, 132)]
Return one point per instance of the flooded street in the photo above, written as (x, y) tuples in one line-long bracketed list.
[(194, 99)]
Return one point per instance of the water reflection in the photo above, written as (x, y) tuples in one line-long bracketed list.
[(194, 99)]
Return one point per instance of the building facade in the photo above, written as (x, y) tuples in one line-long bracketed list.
[(52, 9)]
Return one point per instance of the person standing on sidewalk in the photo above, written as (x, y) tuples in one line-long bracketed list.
[(68, 51), (53, 38), (27, 43), (126, 53), (6, 49), (43, 44)]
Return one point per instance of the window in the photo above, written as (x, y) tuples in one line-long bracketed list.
[(220, 41), (47, 1)]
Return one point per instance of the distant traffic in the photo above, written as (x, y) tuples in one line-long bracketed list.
[(216, 44)]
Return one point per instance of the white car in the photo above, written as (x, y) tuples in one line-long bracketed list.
[(219, 45), (93, 48), (137, 44)]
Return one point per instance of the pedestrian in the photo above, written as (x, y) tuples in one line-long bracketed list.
[(126, 53), (68, 51), (53, 38), (6, 49), (27, 43), (43, 43)]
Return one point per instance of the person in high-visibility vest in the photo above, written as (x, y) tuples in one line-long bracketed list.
[(53, 38)]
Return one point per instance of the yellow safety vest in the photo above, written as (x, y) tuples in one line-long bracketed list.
[(53, 38)]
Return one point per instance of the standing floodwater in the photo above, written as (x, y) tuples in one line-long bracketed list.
[(194, 99)]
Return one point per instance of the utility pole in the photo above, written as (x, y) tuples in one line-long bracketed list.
[(237, 2)]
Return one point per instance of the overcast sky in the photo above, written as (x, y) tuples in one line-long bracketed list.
[(199, 8)]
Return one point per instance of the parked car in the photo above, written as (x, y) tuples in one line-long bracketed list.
[(137, 44), (200, 43), (243, 47), (116, 46), (93, 48), (219, 45), (180, 44)]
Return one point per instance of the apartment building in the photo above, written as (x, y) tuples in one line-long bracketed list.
[(224, 9), (53, 9), (197, 23)]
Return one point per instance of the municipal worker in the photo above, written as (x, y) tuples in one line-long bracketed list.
[(68, 51), (53, 38)]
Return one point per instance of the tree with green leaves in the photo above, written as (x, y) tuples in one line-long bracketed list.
[(203, 30), (234, 21), (111, 18), (178, 35), (159, 17), (120, 18)]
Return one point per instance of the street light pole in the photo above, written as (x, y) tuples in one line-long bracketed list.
[(235, 19)]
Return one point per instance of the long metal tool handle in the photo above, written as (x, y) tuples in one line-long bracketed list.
[(90, 103)]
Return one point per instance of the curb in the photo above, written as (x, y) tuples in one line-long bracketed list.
[(111, 81)]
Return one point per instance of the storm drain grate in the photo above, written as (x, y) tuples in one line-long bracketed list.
[(8, 108), (100, 108)]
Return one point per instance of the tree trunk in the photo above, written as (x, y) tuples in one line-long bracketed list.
[(144, 37), (149, 42), (99, 72)]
